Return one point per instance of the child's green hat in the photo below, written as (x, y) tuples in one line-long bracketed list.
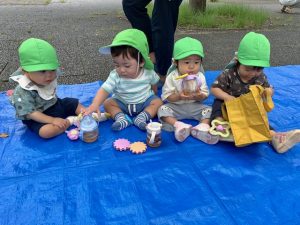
[(134, 38), (37, 55), (254, 50), (186, 47)]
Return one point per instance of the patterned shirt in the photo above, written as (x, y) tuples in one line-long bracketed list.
[(28, 98), (131, 91), (230, 82), (26, 102)]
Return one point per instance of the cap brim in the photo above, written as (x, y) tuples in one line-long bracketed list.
[(258, 63), (189, 53), (105, 50), (40, 67)]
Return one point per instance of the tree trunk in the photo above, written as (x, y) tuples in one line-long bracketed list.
[(198, 5)]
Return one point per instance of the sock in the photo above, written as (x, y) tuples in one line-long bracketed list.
[(121, 122), (141, 120)]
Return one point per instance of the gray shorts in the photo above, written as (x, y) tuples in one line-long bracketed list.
[(195, 111)]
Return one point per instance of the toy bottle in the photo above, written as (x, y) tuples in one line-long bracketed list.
[(190, 84), (89, 131), (153, 134)]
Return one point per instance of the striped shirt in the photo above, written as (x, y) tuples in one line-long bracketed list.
[(131, 91)]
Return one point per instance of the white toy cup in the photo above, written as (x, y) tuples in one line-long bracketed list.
[(154, 134)]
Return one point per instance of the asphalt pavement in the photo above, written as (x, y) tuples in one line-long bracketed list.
[(77, 28)]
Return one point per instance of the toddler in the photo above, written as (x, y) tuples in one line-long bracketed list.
[(184, 90), (247, 69), (34, 98), (131, 83)]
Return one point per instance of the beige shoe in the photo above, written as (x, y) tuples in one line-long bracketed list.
[(282, 142)]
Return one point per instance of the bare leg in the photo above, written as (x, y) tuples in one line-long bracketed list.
[(112, 107), (50, 130), (153, 107), (80, 108)]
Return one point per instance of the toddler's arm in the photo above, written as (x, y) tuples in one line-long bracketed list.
[(43, 118), (98, 100), (220, 94)]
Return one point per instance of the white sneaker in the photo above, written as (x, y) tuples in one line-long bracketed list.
[(182, 131), (201, 132)]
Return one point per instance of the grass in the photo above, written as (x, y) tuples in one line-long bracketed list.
[(225, 16)]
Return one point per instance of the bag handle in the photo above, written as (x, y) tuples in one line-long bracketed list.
[(266, 96)]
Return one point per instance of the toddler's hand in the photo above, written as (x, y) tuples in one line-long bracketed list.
[(61, 123), (92, 108), (268, 90), (198, 95), (182, 96)]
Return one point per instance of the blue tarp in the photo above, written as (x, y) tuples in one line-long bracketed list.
[(59, 181)]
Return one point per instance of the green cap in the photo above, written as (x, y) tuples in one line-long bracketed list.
[(186, 47), (254, 50), (134, 38), (37, 55)]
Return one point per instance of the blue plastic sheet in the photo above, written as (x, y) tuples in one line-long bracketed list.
[(59, 181)]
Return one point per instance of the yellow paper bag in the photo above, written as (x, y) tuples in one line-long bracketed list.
[(248, 117)]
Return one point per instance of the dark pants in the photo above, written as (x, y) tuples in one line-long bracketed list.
[(216, 109), (159, 30), (62, 108)]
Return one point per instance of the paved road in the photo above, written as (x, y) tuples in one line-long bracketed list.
[(77, 28)]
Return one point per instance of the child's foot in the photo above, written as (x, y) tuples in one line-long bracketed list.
[(141, 120), (121, 122), (282, 142), (74, 120), (201, 132), (101, 116), (182, 131)]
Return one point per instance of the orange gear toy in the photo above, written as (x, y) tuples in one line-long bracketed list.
[(121, 144), (138, 147)]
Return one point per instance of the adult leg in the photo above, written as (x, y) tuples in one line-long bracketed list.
[(164, 22), (136, 13)]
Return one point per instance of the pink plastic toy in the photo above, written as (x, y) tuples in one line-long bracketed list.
[(73, 134), (121, 144)]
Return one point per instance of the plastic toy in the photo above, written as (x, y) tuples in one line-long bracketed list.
[(220, 128), (103, 116), (138, 147), (190, 83), (89, 131), (121, 144), (73, 134)]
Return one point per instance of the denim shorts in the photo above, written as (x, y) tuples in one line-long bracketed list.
[(134, 109), (62, 108)]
